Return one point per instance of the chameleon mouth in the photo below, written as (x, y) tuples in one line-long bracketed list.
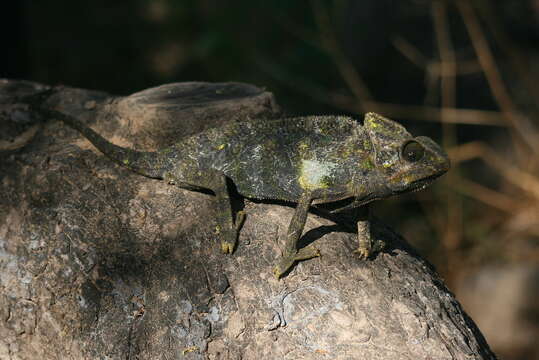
[(420, 184), (354, 202)]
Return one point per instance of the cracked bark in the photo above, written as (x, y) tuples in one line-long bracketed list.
[(96, 261)]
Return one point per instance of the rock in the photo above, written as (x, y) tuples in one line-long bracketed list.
[(99, 262)]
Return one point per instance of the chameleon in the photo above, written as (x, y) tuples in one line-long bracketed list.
[(304, 160)]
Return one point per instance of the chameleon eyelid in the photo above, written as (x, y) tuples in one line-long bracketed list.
[(417, 151)]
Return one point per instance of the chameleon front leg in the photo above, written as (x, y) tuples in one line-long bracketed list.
[(367, 245), (295, 229), (364, 238), (364, 234)]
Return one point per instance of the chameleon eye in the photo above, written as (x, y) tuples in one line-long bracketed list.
[(412, 151)]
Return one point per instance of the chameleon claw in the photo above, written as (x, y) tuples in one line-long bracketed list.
[(363, 253), (282, 267), (227, 248)]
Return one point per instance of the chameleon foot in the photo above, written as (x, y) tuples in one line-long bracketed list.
[(363, 253), (288, 260), (228, 242), (228, 246)]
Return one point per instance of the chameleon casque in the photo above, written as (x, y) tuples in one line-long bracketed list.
[(305, 160)]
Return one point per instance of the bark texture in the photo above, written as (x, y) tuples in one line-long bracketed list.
[(97, 262)]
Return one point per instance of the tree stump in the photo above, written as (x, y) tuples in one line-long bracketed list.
[(97, 262)]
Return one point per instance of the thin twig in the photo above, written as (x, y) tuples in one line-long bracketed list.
[(434, 114), (454, 227), (515, 176), (521, 126), (348, 71), (412, 53), (490, 197), (519, 63), (447, 54)]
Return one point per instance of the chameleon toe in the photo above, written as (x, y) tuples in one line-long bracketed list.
[(287, 262), (227, 248), (363, 253)]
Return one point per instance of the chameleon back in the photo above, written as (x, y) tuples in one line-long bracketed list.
[(280, 159)]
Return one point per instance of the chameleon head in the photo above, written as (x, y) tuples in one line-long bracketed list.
[(406, 163)]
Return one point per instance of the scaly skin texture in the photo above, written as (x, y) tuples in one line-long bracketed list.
[(306, 160)]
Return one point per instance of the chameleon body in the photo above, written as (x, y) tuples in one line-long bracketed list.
[(305, 160)]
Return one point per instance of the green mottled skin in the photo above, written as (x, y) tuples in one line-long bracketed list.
[(315, 159)]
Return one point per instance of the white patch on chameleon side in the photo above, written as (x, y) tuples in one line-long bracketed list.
[(314, 174), (257, 152)]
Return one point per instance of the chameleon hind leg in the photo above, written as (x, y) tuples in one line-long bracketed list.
[(295, 229), (227, 226)]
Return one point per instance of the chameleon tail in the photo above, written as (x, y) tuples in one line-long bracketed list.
[(149, 164)]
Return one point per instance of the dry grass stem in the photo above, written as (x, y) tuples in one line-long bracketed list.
[(346, 68), (434, 114), (477, 150), (520, 65), (412, 53), (490, 197), (521, 126)]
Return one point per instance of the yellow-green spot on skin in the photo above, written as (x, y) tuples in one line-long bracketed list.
[(403, 178), (190, 349), (315, 174), (325, 182), (303, 147), (126, 161), (367, 164)]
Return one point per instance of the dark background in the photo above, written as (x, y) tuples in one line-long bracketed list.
[(463, 72)]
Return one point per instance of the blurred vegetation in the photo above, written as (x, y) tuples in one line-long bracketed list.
[(463, 72)]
